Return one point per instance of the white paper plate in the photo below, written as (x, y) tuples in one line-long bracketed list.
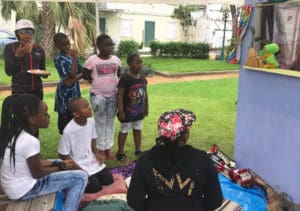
[(39, 72)]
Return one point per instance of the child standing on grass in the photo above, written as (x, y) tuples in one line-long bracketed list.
[(78, 143), (69, 70), (23, 174), (104, 69), (132, 105), (24, 55)]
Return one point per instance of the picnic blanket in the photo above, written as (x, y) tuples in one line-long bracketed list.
[(248, 198), (236, 197)]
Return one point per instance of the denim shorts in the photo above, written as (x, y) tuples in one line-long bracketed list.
[(126, 126)]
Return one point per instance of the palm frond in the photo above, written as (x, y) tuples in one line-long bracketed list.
[(77, 31), (78, 19), (28, 10), (7, 6)]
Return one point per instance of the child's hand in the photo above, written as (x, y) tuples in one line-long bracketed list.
[(74, 54), (67, 165), (44, 76), (86, 74), (68, 82), (22, 50), (121, 116), (70, 164), (100, 157)]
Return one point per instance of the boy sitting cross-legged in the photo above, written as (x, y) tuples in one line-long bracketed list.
[(78, 142)]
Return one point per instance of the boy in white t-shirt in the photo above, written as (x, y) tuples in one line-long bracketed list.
[(78, 142)]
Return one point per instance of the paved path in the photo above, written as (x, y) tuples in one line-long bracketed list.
[(162, 79), (155, 79)]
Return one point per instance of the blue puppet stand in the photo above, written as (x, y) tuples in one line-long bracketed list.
[(268, 122)]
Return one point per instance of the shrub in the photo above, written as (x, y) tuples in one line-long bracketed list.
[(154, 46), (127, 47), (180, 49)]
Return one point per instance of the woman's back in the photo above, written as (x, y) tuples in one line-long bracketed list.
[(182, 180)]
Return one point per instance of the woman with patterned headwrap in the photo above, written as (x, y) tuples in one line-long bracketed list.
[(174, 175)]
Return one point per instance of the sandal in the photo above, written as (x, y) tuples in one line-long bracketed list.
[(122, 157), (138, 153)]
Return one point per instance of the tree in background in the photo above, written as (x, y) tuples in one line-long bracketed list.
[(183, 13), (76, 19), (235, 13), (234, 19)]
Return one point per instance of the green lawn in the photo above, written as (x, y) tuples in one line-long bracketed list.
[(213, 101), (180, 65), (166, 65)]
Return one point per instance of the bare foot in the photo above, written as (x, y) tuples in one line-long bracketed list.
[(109, 154)]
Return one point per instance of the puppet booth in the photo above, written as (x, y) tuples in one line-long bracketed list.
[(267, 136)]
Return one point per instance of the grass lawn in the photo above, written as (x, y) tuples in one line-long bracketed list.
[(213, 101), (180, 65), (167, 65)]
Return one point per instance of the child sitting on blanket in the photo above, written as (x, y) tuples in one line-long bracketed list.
[(78, 142), (23, 174)]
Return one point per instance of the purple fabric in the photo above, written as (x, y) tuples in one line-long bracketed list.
[(125, 171)]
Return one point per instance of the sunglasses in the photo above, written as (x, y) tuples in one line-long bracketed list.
[(26, 31)]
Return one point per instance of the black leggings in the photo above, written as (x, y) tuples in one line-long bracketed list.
[(96, 181)]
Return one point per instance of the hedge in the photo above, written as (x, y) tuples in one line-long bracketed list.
[(180, 49)]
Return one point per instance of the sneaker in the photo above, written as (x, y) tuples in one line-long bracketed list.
[(122, 157), (138, 153)]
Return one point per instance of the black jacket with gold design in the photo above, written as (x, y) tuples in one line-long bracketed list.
[(183, 180)]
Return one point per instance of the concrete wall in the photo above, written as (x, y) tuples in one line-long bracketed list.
[(268, 125)]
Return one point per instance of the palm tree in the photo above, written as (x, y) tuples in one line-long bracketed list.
[(47, 27), (77, 19)]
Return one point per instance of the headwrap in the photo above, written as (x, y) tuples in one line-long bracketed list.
[(173, 124)]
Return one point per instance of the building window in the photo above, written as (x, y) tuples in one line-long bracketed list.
[(126, 27), (171, 30)]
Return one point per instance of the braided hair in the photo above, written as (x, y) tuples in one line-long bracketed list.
[(16, 110)]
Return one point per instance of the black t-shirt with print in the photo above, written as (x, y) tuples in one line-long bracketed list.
[(134, 97)]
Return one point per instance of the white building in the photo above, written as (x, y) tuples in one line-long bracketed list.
[(146, 22), (210, 26), (139, 22)]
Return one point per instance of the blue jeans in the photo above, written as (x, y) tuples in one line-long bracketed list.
[(72, 181), (104, 113)]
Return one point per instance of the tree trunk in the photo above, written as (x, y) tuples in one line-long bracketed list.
[(234, 21), (48, 29)]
